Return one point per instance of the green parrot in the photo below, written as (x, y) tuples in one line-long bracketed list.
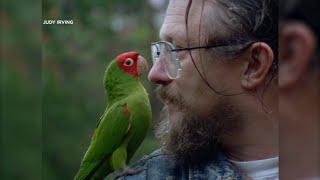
[(125, 122)]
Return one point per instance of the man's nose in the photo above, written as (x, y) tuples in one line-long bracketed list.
[(158, 74)]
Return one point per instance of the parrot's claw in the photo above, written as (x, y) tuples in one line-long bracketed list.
[(129, 171)]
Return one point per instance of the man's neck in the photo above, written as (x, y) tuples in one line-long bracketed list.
[(258, 135), (249, 153)]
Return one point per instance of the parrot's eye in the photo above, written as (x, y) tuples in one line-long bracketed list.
[(128, 62)]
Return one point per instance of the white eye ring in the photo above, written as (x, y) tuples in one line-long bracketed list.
[(128, 62)]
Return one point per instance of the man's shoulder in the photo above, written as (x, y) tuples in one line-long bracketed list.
[(157, 165), (162, 165), (155, 156)]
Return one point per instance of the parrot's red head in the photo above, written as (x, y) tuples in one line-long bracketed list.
[(132, 63)]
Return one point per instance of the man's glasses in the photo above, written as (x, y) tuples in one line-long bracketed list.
[(166, 54)]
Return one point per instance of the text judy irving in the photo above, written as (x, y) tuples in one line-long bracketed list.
[(58, 21)]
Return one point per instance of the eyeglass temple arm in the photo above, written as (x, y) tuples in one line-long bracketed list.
[(209, 46)]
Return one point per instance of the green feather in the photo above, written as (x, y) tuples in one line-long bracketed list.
[(121, 128)]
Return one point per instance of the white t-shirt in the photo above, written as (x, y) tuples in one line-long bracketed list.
[(266, 169)]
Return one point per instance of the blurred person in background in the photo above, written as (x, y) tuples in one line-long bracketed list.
[(216, 67), (299, 89)]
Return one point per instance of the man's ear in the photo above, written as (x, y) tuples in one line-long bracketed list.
[(297, 46), (257, 66)]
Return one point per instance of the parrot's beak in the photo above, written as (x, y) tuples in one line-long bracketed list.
[(142, 65)]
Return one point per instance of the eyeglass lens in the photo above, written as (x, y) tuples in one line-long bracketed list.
[(168, 58)]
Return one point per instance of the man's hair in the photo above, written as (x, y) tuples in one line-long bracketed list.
[(243, 21), (305, 11), (239, 25)]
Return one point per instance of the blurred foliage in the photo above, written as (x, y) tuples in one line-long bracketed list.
[(20, 124), (74, 60), (51, 88)]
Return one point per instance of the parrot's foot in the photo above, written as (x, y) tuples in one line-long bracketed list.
[(129, 171)]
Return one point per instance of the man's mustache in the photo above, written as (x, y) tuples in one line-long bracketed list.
[(165, 94)]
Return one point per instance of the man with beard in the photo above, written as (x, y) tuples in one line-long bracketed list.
[(216, 67), (299, 90)]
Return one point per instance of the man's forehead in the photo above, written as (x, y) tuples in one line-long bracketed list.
[(172, 32), (173, 27), (182, 4)]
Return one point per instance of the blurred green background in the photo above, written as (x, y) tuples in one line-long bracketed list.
[(51, 78)]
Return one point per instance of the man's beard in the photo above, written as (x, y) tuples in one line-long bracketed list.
[(191, 138)]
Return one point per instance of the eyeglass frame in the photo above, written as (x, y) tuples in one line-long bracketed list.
[(214, 45)]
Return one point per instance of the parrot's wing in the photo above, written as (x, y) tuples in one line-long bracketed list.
[(107, 138)]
